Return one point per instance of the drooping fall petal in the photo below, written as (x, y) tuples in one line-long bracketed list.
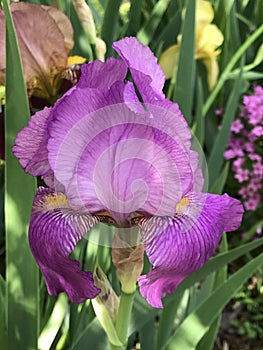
[(177, 246), (54, 231)]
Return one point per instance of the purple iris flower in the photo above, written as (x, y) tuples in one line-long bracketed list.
[(119, 152)]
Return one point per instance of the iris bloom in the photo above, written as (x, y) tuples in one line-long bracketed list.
[(45, 38), (110, 156), (207, 40)]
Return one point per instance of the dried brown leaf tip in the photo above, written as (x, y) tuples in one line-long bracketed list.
[(45, 38), (128, 262)]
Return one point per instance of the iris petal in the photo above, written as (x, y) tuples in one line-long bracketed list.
[(144, 68), (180, 245), (99, 74), (142, 159), (54, 231), (31, 145)]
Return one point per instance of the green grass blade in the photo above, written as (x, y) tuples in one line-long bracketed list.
[(166, 322), (110, 23), (147, 32), (146, 335), (142, 312), (134, 17), (21, 270), (185, 78), (212, 265), (191, 331), (223, 77), (3, 328), (167, 37), (216, 158), (219, 184), (53, 325), (199, 126), (93, 337), (208, 340)]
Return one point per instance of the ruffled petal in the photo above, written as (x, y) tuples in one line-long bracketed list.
[(53, 233), (31, 145), (119, 160), (99, 74), (67, 116), (143, 65), (177, 246)]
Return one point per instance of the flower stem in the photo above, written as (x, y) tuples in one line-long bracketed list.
[(229, 67), (123, 319)]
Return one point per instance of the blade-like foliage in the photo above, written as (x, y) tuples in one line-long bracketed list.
[(21, 270)]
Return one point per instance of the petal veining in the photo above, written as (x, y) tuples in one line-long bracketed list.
[(143, 65), (179, 245), (31, 145), (54, 231)]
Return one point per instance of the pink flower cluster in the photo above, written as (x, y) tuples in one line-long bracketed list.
[(245, 148)]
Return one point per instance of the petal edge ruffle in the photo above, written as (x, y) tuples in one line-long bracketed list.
[(178, 246)]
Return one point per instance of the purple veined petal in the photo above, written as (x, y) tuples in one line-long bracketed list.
[(99, 74), (178, 246), (69, 111), (31, 145), (53, 233), (144, 68), (121, 161)]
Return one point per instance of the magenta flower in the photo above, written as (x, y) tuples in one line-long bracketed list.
[(110, 156), (244, 147)]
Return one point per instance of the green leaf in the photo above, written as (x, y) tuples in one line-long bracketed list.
[(21, 269), (219, 183), (147, 32), (223, 77), (199, 127), (146, 335), (134, 17), (168, 35), (110, 23), (93, 337), (208, 340), (213, 265), (3, 321), (216, 158), (166, 322), (191, 331), (185, 78), (142, 312), (54, 323)]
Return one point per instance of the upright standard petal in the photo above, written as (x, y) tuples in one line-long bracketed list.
[(53, 233), (99, 74), (112, 158), (31, 145), (143, 65), (179, 245)]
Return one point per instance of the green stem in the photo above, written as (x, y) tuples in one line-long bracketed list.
[(229, 67), (123, 319)]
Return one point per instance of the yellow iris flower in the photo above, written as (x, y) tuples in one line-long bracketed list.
[(207, 40)]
